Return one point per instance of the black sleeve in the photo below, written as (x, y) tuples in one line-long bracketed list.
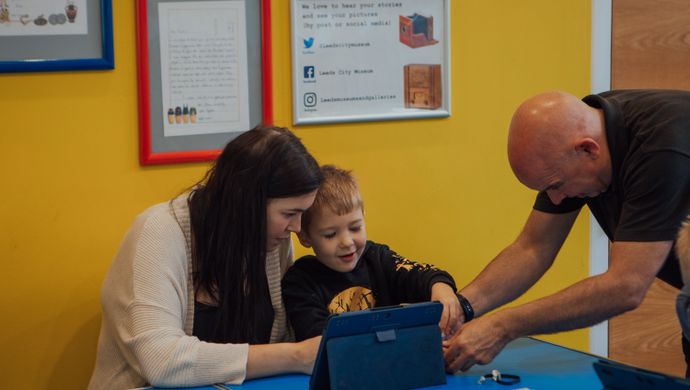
[(657, 198), (410, 281), (305, 309), (543, 203)]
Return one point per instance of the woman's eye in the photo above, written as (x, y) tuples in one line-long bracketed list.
[(329, 235)]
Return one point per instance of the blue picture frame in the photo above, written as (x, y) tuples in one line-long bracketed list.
[(49, 61)]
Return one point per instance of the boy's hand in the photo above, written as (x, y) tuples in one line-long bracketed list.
[(451, 316)]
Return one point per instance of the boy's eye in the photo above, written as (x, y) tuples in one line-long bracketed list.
[(355, 228), (289, 215)]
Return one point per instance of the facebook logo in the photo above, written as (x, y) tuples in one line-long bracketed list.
[(309, 72)]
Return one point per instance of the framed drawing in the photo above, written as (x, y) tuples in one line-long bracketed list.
[(50, 35), (204, 75), (363, 60)]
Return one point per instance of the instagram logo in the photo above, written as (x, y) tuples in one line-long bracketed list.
[(309, 99)]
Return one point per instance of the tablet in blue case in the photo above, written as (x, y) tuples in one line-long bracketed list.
[(619, 376), (393, 347)]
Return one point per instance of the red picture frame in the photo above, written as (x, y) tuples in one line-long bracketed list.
[(147, 156)]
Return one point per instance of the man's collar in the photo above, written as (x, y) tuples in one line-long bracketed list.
[(616, 134)]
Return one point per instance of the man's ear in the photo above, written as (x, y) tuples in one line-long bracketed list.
[(304, 239), (590, 147)]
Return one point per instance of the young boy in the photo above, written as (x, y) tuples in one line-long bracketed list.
[(683, 300), (350, 273)]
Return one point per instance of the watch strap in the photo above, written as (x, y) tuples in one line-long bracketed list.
[(466, 307)]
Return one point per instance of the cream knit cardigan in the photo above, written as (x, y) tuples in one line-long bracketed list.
[(148, 310)]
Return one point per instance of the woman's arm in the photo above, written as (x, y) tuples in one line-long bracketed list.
[(273, 359)]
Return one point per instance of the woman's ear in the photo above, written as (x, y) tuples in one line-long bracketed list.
[(304, 239)]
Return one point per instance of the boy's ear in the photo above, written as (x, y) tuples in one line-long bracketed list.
[(304, 239)]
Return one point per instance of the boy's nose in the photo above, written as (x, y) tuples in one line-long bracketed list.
[(346, 240)]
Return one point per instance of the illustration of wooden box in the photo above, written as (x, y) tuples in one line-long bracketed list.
[(417, 30), (422, 86)]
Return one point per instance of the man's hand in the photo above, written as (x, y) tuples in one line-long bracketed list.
[(477, 342), (451, 316)]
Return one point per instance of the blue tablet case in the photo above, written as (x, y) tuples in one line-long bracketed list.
[(395, 347), (617, 376)]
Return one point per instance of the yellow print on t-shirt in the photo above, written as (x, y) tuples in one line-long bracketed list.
[(353, 299), (401, 262)]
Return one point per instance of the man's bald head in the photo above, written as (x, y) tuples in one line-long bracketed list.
[(544, 130)]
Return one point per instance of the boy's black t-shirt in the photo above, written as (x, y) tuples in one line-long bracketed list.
[(312, 291), (648, 135)]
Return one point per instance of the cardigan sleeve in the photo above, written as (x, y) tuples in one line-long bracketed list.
[(146, 299)]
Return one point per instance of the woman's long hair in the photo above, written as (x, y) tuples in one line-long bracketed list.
[(228, 222)]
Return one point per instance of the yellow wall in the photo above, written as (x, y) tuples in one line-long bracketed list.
[(436, 190)]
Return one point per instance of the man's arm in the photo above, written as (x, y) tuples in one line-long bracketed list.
[(632, 268), (522, 263)]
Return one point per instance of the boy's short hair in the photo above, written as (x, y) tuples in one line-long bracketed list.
[(338, 192), (683, 250)]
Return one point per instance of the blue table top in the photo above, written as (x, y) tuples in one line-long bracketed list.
[(539, 364)]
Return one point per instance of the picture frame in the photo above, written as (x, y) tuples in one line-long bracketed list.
[(369, 61), (195, 90), (47, 35)]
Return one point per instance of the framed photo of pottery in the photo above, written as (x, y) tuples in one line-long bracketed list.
[(365, 60), (55, 35), (204, 76)]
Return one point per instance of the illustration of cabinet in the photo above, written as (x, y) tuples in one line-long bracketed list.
[(422, 86), (417, 30)]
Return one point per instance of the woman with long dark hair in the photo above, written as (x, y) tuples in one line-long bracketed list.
[(193, 295)]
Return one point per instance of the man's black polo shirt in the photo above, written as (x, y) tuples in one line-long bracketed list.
[(648, 135)]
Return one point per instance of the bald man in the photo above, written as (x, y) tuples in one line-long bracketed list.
[(626, 155)]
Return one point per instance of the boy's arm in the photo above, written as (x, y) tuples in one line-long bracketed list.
[(305, 309), (411, 281), (450, 317)]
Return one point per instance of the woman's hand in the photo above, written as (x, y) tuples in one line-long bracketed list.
[(452, 314), (306, 354), (273, 359)]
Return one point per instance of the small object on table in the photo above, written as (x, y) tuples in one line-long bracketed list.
[(503, 379)]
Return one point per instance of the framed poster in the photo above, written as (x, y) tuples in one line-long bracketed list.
[(204, 75), (48, 35), (364, 60)]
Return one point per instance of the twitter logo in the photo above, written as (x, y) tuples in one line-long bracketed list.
[(308, 43)]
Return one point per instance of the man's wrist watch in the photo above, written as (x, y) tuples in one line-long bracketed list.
[(466, 307)]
